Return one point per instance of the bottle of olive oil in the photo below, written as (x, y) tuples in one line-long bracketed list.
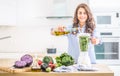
[(65, 31)]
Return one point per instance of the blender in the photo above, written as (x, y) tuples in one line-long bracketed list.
[(84, 40)]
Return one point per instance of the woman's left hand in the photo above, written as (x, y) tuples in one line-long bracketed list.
[(95, 41)]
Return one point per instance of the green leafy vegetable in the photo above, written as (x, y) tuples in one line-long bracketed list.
[(83, 40), (64, 59)]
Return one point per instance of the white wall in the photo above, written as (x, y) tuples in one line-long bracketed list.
[(30, 39)]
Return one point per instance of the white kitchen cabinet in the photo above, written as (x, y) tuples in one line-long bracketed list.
[(36, 12), (43, 8), (8, 12), (105, 5), (65, 7), (33, 8), (32, 12)]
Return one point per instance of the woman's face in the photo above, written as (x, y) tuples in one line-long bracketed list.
[(82, 15)]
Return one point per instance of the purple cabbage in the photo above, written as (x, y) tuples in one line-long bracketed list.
[(28, 59), (20, 64)]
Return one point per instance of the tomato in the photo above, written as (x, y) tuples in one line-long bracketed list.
[(40, 62), (52, 66)]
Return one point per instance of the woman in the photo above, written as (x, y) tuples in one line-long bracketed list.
[(83, 20)]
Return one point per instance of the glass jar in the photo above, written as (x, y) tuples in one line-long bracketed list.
[(35, 66)]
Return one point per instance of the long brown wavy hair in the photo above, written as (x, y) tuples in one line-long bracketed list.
[(90, 23)]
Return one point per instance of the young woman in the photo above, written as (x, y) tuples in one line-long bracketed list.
[(83, 20)]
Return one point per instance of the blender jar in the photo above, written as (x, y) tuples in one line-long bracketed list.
[(84, 40)]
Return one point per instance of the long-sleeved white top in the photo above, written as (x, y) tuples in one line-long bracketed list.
[(73, 45)]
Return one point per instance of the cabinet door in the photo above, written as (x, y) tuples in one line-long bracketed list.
[(103, 5), (33, 12), (65, 7), (8, 12)]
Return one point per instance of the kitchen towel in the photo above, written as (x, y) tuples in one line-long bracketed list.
[(75, 68)]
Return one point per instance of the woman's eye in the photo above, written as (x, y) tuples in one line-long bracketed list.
[(80, 13)]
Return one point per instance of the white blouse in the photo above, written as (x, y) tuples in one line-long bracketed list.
[(73, 46)]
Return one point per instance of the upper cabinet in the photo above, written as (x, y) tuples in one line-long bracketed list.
[(65, 7), (34, 8), (42, 8), (105, 5), (8, 12), (35, 12)]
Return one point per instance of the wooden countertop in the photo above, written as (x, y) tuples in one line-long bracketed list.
[(104, 70)]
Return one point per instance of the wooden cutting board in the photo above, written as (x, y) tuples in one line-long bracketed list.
[(14, 70), (6, 66)]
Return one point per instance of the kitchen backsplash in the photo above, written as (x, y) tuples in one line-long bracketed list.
[(24, 39)]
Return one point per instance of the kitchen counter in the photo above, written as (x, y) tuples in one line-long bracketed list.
[(103, 71)]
